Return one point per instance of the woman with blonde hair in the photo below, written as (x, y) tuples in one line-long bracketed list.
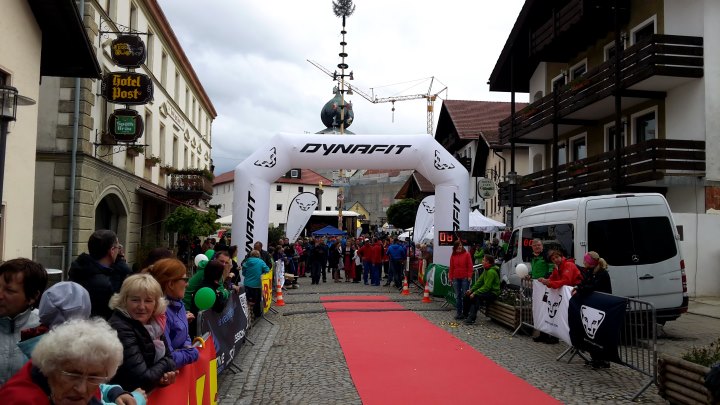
[(138, 318), (171, 274), (596, 276)]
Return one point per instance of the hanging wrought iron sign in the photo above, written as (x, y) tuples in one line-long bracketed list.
[(127, 88), (128, 51), (125, 125)]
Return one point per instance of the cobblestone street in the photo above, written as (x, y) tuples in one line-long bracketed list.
[(297, 358)]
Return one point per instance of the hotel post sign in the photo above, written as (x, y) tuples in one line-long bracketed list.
[(127, 88)]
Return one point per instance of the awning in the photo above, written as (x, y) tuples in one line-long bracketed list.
[(66, 49)]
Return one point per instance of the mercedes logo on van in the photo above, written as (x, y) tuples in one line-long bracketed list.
[(635, 258)]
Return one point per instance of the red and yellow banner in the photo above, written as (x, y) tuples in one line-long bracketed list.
[(195, 385), (267, 283)]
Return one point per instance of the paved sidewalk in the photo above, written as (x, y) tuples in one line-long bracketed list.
[(298, 359)]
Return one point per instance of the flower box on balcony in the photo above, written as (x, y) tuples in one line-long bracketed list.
[(134, 151), (151, 161)]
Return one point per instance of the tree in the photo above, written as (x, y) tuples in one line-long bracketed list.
[(402, 213), (274, 233), (189, 222)]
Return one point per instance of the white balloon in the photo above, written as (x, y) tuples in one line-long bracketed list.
[(200, 258), (521, 270)]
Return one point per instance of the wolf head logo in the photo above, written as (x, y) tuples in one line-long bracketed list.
[(440, 165), (306, 201), (591, 319), (553, 303), (271, 160), (429, 208)]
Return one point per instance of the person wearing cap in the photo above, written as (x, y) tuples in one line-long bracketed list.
[(63, 302), (22, 281), (595, 278)]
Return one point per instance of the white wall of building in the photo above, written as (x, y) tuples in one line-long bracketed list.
[(223, 196), (701, 252), (20, 58), (537, 81), (711, 36)]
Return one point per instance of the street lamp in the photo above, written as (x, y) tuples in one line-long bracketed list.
[(9, 101), (8, 109)]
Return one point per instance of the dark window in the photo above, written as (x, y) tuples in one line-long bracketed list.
[(646, 127), (300, 189), (278, 207), (278, 187), (557, 83), (562, 154), (579, 150), (647, 239), (513, 246), (578, 71), (295, 174), (644, 33), (554, 237), (327, 208), (611, 138)]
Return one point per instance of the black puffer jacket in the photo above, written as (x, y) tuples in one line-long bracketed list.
[(138, 369), (97, 281)]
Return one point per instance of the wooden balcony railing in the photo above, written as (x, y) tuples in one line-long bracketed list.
[(191, 185), (642, 162), (665, 55)]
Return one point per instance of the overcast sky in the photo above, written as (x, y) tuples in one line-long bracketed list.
[(251, 56)]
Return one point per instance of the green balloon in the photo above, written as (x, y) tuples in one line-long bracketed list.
[(204, 298)]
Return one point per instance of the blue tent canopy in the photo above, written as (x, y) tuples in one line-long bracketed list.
[(329, 231)]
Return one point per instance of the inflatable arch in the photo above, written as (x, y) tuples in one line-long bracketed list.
[(255, 175)]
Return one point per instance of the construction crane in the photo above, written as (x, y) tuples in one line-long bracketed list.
[(430, 97)]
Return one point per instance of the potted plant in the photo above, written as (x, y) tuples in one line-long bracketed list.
[(106, 138), (134, 150), (167, 169), (681, 380), (505, 309), (152, 160)]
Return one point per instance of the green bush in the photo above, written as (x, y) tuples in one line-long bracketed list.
[(704, 355)]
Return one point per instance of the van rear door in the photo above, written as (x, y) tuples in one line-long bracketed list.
[(656, 251), (609, 233)]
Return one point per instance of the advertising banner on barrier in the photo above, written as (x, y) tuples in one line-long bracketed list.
[(195, 385), (228, 328), (439, 284), (550, 310), (595, 323), (267, 283)]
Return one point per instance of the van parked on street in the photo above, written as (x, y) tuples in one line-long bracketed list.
[(634, 233)]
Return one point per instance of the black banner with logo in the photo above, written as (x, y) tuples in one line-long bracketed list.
[(228, 328), (596, 321)]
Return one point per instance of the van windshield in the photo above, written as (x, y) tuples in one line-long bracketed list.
[(553, 237), (632, 241)]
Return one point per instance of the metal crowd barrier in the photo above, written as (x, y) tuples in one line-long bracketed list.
[(524, 302), (637, 348)]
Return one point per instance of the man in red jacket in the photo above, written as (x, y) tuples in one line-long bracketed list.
[(375, 258), (565, 272)]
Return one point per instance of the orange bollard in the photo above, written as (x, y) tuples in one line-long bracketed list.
[(279, 301), (405, 290), (426, 295)]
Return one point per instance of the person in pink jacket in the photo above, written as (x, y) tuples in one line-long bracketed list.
[(460, 274)]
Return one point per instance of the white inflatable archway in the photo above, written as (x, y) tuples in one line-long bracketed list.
[(255, 174)]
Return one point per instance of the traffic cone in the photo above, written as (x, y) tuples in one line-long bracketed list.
[(279, 301), (405, 290), (426, 295)]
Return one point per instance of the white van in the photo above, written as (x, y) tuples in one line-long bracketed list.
[(634, 233)]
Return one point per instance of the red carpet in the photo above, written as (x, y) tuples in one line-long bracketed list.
[(401, 358)]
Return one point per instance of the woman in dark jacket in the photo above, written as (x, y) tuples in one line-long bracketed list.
[(213, 279), (595, 278), (138, 318)]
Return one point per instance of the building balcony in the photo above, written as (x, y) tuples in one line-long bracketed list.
[(642, 164), (190, 186), (648, 70)]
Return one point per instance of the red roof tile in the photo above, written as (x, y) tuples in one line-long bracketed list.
[(475, 118), (227, 177)]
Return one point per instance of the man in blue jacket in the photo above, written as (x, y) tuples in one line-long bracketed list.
[(396, 252)]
